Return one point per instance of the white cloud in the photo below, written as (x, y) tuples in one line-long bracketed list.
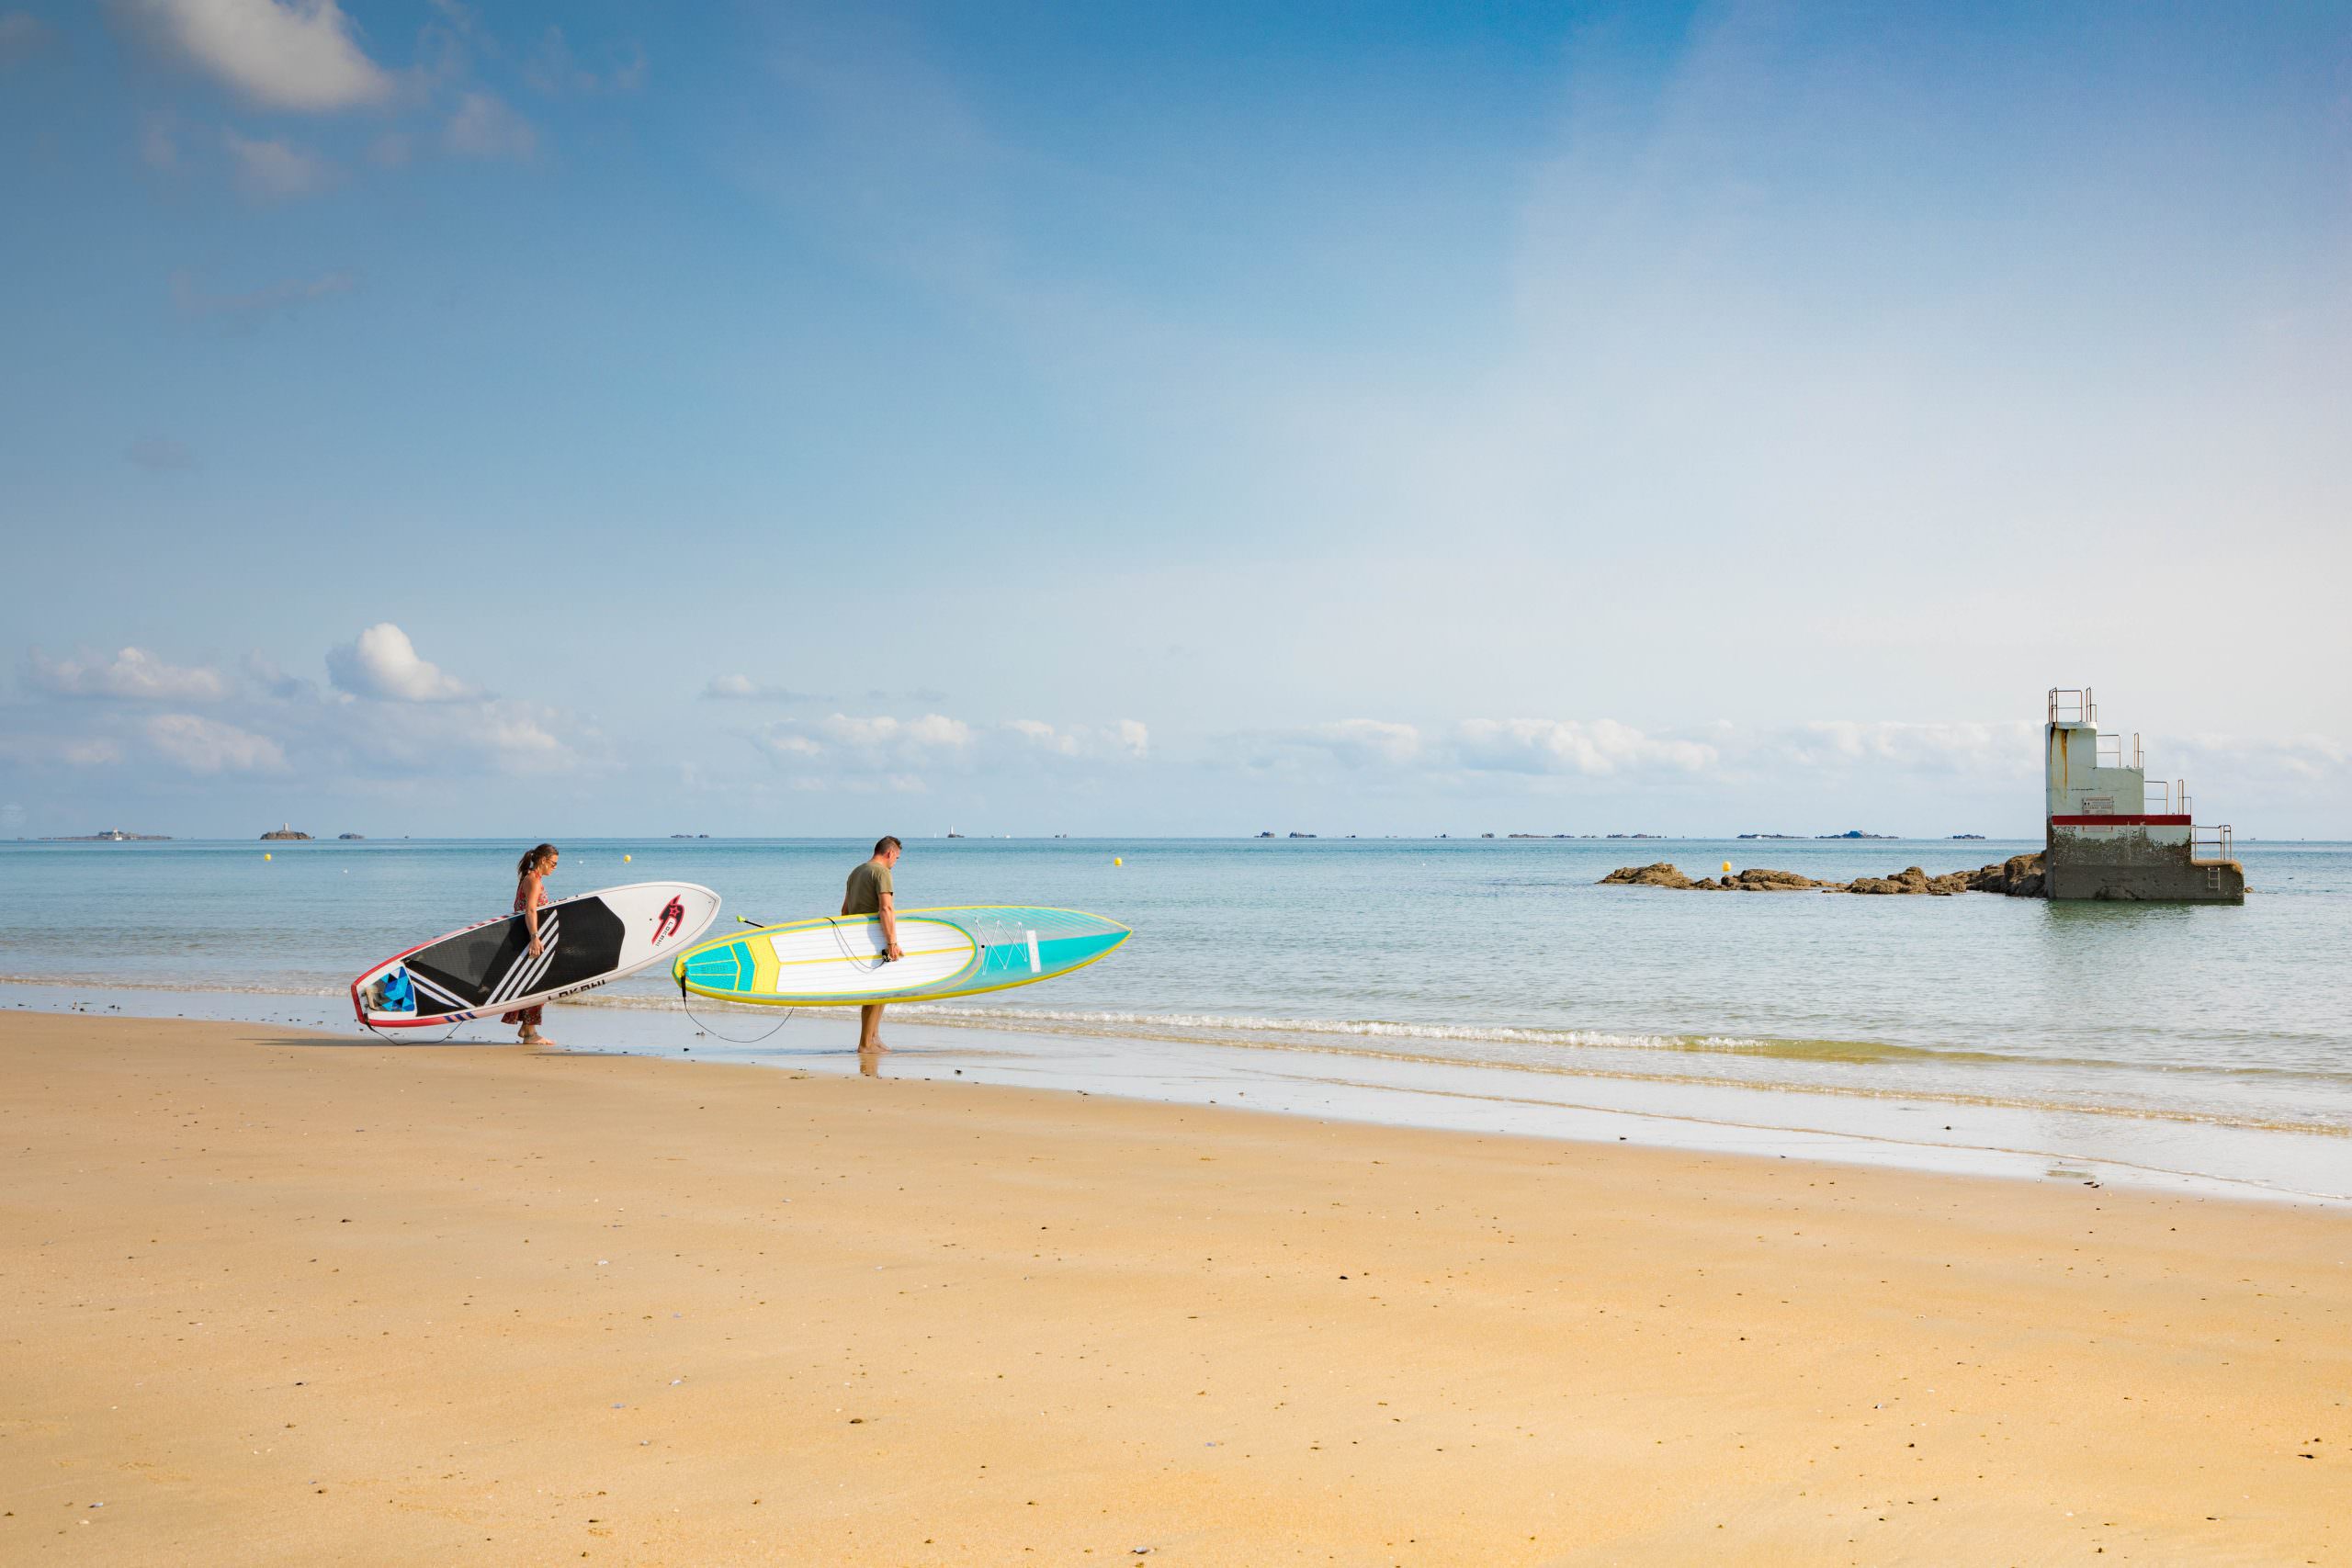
[(1551, 746), (132, 675), (517, 742), (1045, 737), (931, 732), (294, 55), (485, 127), (276, 170), (1533, 746), (383, 663), (743, 688), (207, 745), (2007, 747), (1127, 738)]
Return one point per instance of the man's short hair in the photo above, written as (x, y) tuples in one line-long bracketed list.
[(886, 843)]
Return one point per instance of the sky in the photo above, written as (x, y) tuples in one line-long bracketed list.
[(618, 418)]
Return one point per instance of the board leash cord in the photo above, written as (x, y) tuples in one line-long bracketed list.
[(688, 1008), (403, 1040)]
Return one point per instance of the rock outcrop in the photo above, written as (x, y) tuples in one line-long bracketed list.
[(2019, 876), (1659, 875)]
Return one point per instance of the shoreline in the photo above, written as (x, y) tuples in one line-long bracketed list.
[(1578, 1103), (273, 1297)]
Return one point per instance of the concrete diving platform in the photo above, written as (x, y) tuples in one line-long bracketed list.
[(2107, 837)]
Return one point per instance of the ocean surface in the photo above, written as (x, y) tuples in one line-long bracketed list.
[(1457, 982)]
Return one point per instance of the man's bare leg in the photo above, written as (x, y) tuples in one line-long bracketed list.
[(869, 1028)]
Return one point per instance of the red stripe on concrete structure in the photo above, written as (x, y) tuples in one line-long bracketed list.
[(2122, 821)]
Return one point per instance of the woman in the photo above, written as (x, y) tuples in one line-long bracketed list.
[(531, 874)]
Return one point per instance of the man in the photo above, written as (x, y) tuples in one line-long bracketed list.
[(869, 893)]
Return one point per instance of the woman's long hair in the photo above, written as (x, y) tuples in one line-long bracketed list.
[(532, 858)]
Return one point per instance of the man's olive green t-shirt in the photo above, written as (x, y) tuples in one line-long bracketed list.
[(867, 885)]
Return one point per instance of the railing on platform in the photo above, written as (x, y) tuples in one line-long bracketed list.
[(2209, 846), (2111, 752), (2167, 798), (2070, 704)]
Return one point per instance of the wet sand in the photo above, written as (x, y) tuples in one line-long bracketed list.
[(275, 1298)]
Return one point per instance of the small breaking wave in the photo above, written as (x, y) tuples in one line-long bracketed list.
[(1184, 1025)]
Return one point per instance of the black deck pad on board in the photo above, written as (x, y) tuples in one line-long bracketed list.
[(477, 966)]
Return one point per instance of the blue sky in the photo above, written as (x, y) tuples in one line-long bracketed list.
[(624, 418)]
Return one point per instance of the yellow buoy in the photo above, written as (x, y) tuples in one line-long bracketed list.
[(625, 859), (1117, 860), (1726, 868), (265, 854)]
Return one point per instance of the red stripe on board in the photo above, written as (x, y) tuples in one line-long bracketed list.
[(2122, 821)]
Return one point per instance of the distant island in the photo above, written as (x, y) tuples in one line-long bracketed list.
[(284, 830), (1856, 834), (1771, 835), (351, 835), (112, 836), (1968, 835)]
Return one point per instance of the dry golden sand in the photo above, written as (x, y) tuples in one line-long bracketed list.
[(274, 1300)]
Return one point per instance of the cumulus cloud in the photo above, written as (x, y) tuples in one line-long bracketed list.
[(743, 688), (248, 310), (913, 738), (485, 127), (1534, 746), (207, 745), (278, 54), (518, 741), (1127, 738), (132, 675), (885, 752), (1551, 746), (2008, 748), (275, 170), (383, 663)]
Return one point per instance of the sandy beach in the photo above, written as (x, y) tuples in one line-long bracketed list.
[(268, 1298)]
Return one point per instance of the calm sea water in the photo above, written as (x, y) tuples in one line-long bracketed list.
[(1502, 956)]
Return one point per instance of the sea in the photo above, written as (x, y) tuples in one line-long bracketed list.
[(1490, 985)]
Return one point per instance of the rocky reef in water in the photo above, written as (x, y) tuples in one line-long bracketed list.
[(2019, 876)]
